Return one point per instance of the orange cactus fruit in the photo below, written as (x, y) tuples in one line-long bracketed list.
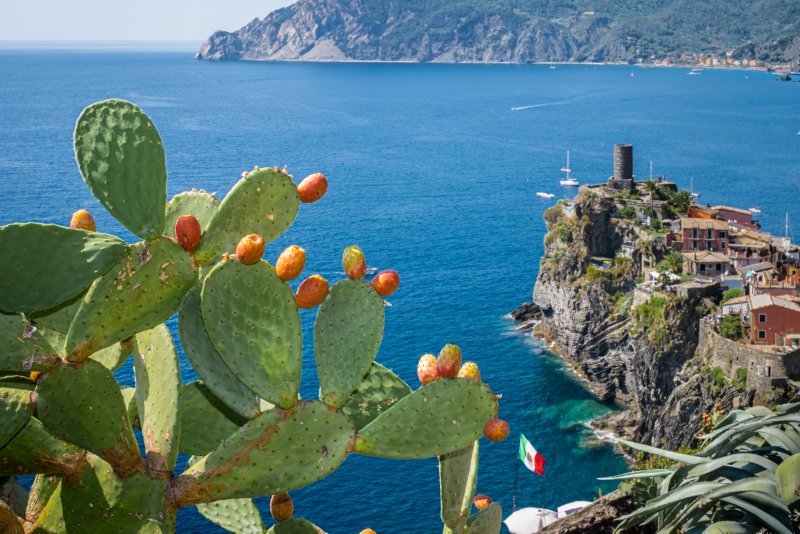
[(311, 292), (83, 220), (281, 506), (354, 263), (187, 232), (291, 263), (250, 249), (313, 187), (496, 430), (449, 361), (386, 282), (481, 501), (427, 369), (470, 371)]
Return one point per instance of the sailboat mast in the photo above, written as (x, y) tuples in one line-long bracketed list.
[(651, 170)]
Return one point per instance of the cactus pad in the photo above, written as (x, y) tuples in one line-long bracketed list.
[(277, 451), (264, 202), (205, 420), (456, 483), (35, 450), (236, 515), (201, 205), (41, 490), (158, 386), (207, 362), (252, 320), (121, 159), (144, 290), (9, 522), (45, 265), (487, 521), (435, 419), (294, 525), (347, 335), (84, 406), (787, 479), (376, 393), (22, 349), (15, 406)]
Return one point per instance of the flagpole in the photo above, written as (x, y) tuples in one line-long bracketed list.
[(514, 498)]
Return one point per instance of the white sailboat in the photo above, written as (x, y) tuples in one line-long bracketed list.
[(567, 180), (542, 194), (691, 189)]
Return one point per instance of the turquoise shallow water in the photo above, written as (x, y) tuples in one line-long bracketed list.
[(435, 175)]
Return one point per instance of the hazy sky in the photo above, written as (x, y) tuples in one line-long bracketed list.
[(132, 20)]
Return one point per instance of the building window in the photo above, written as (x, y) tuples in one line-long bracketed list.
[(719, 266), (694, 245), (723, 235), (722, 245), (762, 334), (762, 317), (694, 233), (709, 233), (769, 371)]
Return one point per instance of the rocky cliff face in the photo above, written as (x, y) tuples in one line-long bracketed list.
[(649, 367)]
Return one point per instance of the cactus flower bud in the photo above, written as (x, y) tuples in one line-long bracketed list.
[(312, 187), (187, 232), (449, 361), (470, 371), (311, 292), (354, 263), (281, 506), (427, 369), (386, 282), (291, 262), (83, 220), (496, 430), (250, 249), (481, 501)]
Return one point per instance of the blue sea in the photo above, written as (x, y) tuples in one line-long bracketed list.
[(433, 171)]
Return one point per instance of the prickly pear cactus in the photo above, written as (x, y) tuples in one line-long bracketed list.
[(77, 305)]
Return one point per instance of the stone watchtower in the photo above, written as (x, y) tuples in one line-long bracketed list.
[(623, 168)]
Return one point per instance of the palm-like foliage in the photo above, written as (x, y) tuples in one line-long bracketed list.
[(672, 262), (744, 479)]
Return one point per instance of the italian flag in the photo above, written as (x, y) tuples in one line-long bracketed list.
[(532, 459)]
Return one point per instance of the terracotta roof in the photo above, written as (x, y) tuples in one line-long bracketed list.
[(765, 299), (736, 210), (693, 222), (736, 300), (705, 256), (753, 234), (763, 266)]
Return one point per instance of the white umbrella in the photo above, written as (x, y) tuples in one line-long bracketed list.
[(529, 520), (571, 507)]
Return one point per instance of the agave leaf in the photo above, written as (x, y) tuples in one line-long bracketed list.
[(652, 473), (713, 465), (678, 457), (775, 524)]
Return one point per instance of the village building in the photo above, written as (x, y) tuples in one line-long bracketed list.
[(737, 306), (736, 216), (707, 263), (703, 234), (774, 320)]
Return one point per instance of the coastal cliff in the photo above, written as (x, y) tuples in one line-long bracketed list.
[(472, 31), (631, 348)]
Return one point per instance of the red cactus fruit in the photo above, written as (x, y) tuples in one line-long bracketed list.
[(311, 292), (427, 369), (496, 430), (354, 263), (187, 232), (34, 376), (481, 501), (291, 262), (449, 361), (281, 506), (367, 531), (386, 282), (83, 220), (312, 187), (470, 371), (250, 249)]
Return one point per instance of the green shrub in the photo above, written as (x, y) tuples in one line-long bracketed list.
[(730, 327), (627, 212), (740, 381), (732, 294), (553, 214)]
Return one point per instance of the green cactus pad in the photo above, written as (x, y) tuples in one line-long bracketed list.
[(84, 406), (59, 318), (144, 290), (347, 335), (487, 521), (276, 452), (23, 349), (42, 489), (294, 525), (205, 420), (15, 406), (112, 357), (207, 362), (456, 482), (787, 479), (129, 399), (35, 450), (201, 205), (48, 264), (377, 392), (236, 515), (158, 386), (252, 320), (435, 419), (265, 203), (121, 159)]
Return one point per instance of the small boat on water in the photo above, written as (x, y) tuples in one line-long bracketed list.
[(544, 195), (552, 67), (695, 72), (754, 210), (568, 180)]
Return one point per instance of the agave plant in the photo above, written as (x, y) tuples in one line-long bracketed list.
[(744, 479)]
